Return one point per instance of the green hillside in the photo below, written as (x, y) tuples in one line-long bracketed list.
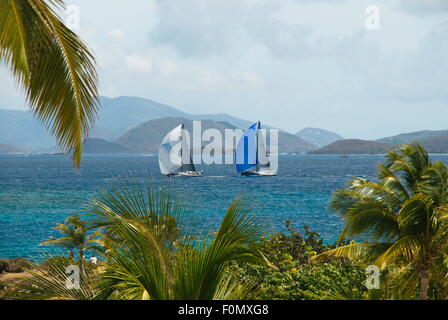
[(354, 146), (148, 136)]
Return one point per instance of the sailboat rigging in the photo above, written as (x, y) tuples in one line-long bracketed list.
[(182, 164), (251, 155)]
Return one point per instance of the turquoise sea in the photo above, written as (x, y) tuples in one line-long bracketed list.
[(38, 191)]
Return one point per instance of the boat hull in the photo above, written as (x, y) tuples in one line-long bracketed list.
[(190, 174), (259, 173)]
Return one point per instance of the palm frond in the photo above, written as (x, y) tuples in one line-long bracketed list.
[(52, 277), (353, 251), (391, 183), (372, 218), (415, 215), (53, 66), (158, 258), (75, 233), (234, 241), (434, 182), (65, 242), (232, 289), (407, 247)]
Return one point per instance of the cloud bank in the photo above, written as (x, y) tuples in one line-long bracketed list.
[(288, 63)]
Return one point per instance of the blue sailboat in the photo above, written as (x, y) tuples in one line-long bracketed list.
[(251, 156)]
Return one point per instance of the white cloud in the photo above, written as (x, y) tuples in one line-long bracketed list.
[(117, 33), (11, 94), (250, 78), (138, 63), (289, 63), (419, 7), (208, 78), (167, 68)]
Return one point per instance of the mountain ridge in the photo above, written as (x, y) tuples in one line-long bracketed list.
[(318, 136), (121, 114), (97, 145), (116, 116), (9, 149), (354, 146), (414, 136), (147, 136)]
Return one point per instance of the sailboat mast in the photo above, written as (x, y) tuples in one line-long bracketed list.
[(257, 168), (181, 146)]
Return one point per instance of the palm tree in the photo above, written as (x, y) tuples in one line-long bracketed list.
[(51, 278), (402, 216), (76, 237), (160, 257), (53, 66)]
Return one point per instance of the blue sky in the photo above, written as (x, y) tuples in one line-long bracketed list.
[(288, 63)]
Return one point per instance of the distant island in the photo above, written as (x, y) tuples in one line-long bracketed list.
[(147, 136), (436, 144), (122, 118), (96, 145), (8, 149), (432, 141), (354, 146), (318, 136), (413, 136), (138, 125)]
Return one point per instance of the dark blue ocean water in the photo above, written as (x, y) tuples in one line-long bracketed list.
[(38, 191)]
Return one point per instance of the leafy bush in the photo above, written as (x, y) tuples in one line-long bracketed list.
[(289, 275)]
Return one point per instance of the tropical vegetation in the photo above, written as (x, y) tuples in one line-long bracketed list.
[(150, 249), (402, 218), (153, 253), (76, 237)]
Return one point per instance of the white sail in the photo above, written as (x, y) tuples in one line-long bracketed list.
[(187, 161), (170, 156), (262, 160)]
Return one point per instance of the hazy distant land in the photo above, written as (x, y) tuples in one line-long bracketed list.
[(137, 125)]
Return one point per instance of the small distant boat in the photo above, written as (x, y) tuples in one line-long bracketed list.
[(176, 166), (251, 155), (343, 156)]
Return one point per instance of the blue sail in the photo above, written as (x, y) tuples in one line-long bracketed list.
[(246, 150)]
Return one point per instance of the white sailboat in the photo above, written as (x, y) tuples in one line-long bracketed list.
[(175, 162), (251, 155)]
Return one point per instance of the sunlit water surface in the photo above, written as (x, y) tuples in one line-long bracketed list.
[(38, 191)]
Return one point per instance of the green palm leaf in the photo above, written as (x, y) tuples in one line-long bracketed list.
[(405, 208), (370, 217), (53, 66), (160, 257), (51, 278), (408, 247), (353, 251)]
